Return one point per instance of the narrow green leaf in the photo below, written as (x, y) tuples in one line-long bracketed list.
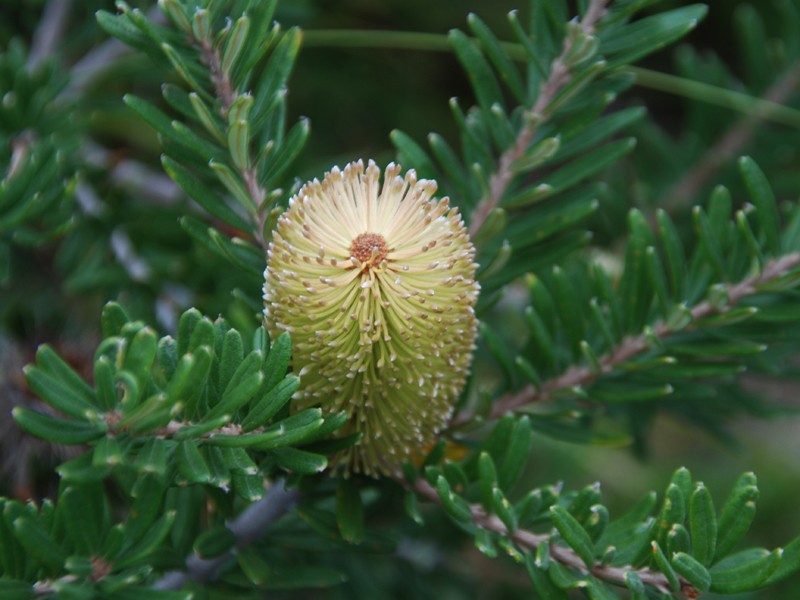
[(61, 396), (276, 72), (152, 458), (665, 567), (148, 543), (203, 194), (692, 570), (647, 35), (673, 252), (243, 386), (39, 545), (573, 534), (480, 74), (50, 362), (300, 461), (350, 511), (292, 430), (501, 61), (60, 431), (764, 200), (235, 43), (192, 466), (453, 504), (744, 572), (504, 510), (83, 510), (113, 319), (412, 154), (588, 164), (542, 583), (277, 360), (487, 480), (517, 448), (597, 132), (736, 515), (635, 585)]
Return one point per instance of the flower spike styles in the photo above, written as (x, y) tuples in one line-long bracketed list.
[(376, 285)]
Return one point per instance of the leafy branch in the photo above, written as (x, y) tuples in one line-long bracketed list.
[(574, 51), (630, 347)]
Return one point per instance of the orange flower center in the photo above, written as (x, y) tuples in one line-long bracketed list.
[(369, 248)]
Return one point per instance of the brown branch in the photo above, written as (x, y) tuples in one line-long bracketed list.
[(227, 94), (632, 345), (728, 145), (566, 556), (559, 77)]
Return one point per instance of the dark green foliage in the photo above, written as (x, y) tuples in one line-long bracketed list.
[(618, 284)]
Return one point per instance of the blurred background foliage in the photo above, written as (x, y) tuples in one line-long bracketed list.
[(355, 97)]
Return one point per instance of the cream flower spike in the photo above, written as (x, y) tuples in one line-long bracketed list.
[(376, 285)]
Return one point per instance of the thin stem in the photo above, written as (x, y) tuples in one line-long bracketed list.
[(49, 31), (729, 144), (631, 346), (247, 527), (566, 556), (227, 94), (647, 78), (559, 77)]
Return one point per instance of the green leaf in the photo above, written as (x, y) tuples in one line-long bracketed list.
[(500, 59), (764, 200), (350, 511), (542, 583), (454, 505), (148, 543), (588, 164), (487, 479), (412, 154), (692, 570), (744, 571), (56, 430), (483, 81), (276, 72), (703, 525), (573, 534), (517, 448), (277, 360), (290, 431), (646, 35), (244, 384), (736, 515), (58, 394), (50, 362), (39, 545), (191, 464), (113, 319), (790, 563), (300, 461), (597, 132), (503, 509), (83, 510), (665, 567), (120, 27), (202, 194)]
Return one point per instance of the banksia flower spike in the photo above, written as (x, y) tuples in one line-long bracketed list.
[(376, 286)]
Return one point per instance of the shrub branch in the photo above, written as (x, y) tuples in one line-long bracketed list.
[(559, 77), (630, 346)]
